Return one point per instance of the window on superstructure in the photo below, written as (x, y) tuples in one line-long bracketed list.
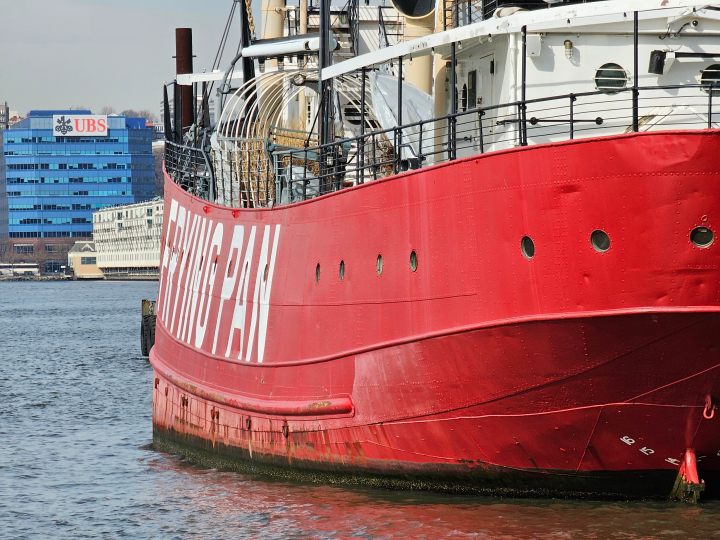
[(610, 78), (711, 76), (472, 89)]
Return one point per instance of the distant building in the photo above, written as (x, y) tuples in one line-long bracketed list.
[(158, 130), (127, 240), (10, 270), (4, 124), (61, 167), (4, 116), (3, 205), (14, 117), (82, 261)]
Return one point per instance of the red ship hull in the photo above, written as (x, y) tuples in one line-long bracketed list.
[(304, 338)]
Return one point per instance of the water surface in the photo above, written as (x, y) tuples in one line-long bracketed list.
[(75, 457)]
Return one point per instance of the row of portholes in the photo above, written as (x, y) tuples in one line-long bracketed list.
[(378, 266), (700, 237), (611, 77)]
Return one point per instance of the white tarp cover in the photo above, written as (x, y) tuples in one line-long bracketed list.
[(416, 106)]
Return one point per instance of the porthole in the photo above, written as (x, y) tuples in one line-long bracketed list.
[(317, 273), (527, 246), (413, 261), (600, 241), (711, 75), (702, 237), (341, 271), (610, 78), (379, 265)]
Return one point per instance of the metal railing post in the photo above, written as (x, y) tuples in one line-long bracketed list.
[(396, 161), (523, 89), (572, 116), (710, 96), (398, 135), (362, 123), (374, 157), (305, 168), (454, 137), (421, 156), (266, 180), (481, 113), (635, 91)]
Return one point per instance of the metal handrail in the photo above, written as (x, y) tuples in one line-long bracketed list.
[(382, 31), (191, 168), (354, 24), (301, 173), (341, 163)]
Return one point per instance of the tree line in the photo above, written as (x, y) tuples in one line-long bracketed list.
[(135, 113)]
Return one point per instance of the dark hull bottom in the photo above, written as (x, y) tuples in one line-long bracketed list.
[(491, 480)]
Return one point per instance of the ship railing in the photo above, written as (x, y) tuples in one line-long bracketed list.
[(244, 174), (190, 168), (458, 13), (354, 24), (390, 26), (308, 172)]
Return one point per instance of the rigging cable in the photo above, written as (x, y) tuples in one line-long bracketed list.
[(221, 48)]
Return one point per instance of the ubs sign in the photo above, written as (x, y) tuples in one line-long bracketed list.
[(80, 125)]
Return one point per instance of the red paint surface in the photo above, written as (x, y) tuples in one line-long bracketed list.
[(480, 357)]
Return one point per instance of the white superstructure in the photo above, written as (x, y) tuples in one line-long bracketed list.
[(127, 240), (483, 76)]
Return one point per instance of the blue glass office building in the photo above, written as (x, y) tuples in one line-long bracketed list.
[(3, 202), (55, 180)]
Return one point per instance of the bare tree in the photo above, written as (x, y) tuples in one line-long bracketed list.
[(107, 109), (147, 115)]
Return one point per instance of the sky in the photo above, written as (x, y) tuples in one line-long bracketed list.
[(93, 53)]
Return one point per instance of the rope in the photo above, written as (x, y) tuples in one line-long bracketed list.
[(251, 20)]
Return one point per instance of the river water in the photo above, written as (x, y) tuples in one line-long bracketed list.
[(76, 458)]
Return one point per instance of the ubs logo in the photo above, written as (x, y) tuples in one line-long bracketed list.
[(63, 125)]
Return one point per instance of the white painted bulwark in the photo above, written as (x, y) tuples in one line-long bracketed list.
[(127, 240)]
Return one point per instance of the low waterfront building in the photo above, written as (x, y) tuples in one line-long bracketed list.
[(82, 261), (127, 240), (13, 270), (62, 166)]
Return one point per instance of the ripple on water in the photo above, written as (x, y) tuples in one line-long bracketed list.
[(76, 461)]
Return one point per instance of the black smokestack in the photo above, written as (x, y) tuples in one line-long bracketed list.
[(184, 64)]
